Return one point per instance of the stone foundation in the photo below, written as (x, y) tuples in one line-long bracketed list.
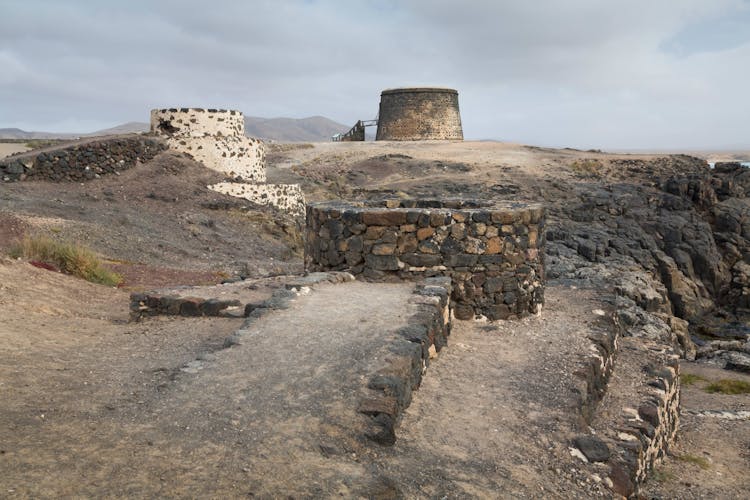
[(493, 252)]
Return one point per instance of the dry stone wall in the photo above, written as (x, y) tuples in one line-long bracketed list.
[(409, 349), (81, 162), (216, 138), (494, 253), (414, 114)]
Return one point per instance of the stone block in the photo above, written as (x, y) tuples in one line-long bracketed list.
[(191, 306), (422, 259), (407, 242), (461, 260), (425, 232), (428, 247), (497, 312), (382, 262), (384, 249), (374, 232)]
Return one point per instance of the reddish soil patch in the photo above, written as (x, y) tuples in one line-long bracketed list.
[(144, 277)]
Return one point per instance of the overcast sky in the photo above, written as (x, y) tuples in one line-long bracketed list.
[(577, 73)]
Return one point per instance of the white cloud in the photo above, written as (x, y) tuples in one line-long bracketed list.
[(571, 73)]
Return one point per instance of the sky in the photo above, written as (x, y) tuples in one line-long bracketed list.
[(635, 74)]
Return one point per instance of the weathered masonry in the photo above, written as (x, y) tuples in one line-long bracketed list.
[(414, 114), (81, 162), (493, 252), (216, 138)]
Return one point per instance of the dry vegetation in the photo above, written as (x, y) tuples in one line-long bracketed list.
[(70, 258)]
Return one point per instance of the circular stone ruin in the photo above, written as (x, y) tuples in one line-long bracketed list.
[(493, 252), (197, 122), (418, 114)]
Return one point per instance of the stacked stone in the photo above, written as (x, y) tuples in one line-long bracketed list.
[(418, 114), (154, 304), (82, 162), (492, 252)]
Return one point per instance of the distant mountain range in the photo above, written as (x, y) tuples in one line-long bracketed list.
[(312, 129)]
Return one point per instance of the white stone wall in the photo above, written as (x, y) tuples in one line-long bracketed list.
[(237, 157), (197, 122), (217, 139), (287, 197)]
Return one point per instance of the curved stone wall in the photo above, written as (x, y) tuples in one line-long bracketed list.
[(213, 137), (287, 197), (216, 138), (494, 252), (237, 157), (414, 114), (197, 122)]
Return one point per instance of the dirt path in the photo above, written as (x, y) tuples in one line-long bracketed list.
[(94, 406), (495, 414)]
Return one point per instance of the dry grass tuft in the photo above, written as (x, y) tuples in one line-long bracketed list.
[(691, 379), (587, 167), (70, 258), (728, 386)]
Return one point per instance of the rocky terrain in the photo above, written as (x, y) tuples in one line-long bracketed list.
[(663, 240)]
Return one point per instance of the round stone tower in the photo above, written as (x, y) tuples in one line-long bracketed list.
[(419, 114), (197, 122)]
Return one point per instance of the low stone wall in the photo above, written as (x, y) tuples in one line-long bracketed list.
[(645, 431), (81, 162), (286, 197), (635, 383), (494, 253), (389, 390)]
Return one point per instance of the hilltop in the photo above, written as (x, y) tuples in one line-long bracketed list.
[(655, 244)]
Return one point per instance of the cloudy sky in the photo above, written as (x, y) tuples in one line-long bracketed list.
[(578, 73)]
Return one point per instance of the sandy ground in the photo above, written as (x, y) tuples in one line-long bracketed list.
[(93, 405), (8, 148), (96, 406)]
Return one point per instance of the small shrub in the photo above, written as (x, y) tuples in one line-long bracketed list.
[(663, 476), (701, 462), (70, 258), (691, 379), (587, 167), (728, 386)]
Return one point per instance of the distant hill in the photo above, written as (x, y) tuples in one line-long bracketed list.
[(17, 133), (125, 128), (312, 129)]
